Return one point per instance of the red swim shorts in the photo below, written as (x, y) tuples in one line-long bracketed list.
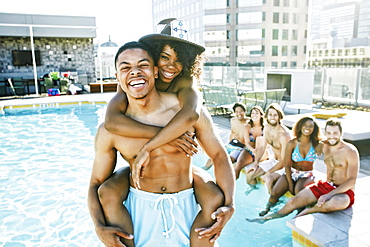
[(321, 188)]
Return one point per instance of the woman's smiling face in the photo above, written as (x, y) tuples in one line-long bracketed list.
[(168, 65)]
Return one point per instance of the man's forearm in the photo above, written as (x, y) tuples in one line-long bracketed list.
[(95, 208), (225, 178), (278, 166)]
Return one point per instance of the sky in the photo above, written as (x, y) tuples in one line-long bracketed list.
[(122, 20)]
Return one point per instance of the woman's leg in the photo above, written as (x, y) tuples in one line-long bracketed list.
[(112, 193), (244, 159), (302, 183), (210, 198)]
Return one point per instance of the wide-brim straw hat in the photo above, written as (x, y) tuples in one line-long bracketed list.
[(172, 29)]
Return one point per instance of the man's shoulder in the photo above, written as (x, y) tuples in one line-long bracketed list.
[(350, 148)]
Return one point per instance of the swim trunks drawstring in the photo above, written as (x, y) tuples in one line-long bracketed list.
[(173, 201)]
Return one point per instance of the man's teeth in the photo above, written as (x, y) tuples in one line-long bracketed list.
[(137, 83)]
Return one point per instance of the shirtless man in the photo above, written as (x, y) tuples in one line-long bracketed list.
[(277, 136), (162, 206), (236, 140), (337, 192)]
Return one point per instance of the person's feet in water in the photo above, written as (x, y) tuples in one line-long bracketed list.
[(258, 220), (250, 189), (262, 220), (269, 205)]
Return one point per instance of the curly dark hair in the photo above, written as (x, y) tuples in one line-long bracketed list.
[(187, 55), (316, 135)]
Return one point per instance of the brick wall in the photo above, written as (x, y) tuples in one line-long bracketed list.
[(57, 54)]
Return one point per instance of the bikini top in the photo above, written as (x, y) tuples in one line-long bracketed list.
[(310, 156), (251, 138)]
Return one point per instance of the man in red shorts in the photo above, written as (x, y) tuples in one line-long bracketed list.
[(337, 192)]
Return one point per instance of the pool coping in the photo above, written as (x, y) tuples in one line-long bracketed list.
[(56, 100)]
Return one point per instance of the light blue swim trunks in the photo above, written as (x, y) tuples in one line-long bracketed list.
[(162, 220)]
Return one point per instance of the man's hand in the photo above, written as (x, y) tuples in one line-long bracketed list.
[(251, 167), (110, 235), (323, 199), (222, 216), (185, 144)]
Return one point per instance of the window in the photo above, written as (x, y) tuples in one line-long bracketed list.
[(250, 17), (274, 50), (219, 19), (215, 35), (275, 34), (284, 50), (339, 52), (293, 64), (320, 53), (285, 17), (263, 16), (211, 4), (295, 34), (248, 34), (275, 17), (295, 3), (326, 53), (284, 64), (263, 33), (285, 34), (274, 64), (304, 49), (276, 2), (286, 3), (295, 18), (247, 3), (294, 50)]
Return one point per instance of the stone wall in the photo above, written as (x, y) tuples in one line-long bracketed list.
[(57, 54)]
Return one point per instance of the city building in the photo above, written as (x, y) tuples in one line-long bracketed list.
[(244, 33), (339, 34)]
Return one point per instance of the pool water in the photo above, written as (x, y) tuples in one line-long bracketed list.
[(46, 156)]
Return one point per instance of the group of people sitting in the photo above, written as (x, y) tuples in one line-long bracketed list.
[(284, 160)]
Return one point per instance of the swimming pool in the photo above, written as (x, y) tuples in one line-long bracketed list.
[(46, 157)]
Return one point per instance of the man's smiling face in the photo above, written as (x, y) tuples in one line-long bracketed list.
[(135, 72)]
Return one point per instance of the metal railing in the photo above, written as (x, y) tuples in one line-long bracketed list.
[(334, 85)]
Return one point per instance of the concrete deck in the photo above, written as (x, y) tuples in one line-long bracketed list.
[(349, 227), (355, 127)]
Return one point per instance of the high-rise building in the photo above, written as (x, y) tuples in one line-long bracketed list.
[(265, 33), (364, 20), (340, 33)]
